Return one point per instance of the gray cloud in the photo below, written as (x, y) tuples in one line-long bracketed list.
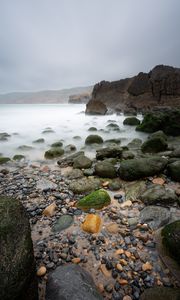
[(53, 44)]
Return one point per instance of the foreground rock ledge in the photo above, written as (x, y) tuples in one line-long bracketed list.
[(71, 282), (17, 265)]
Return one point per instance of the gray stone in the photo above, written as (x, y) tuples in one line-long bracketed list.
[(105, 169), (82, 162), (71, 282), (159, 194), (84, 185), (62, 223), (45, 185), (155, 216), (109, 152)]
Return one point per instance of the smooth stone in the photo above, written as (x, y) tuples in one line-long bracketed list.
[(159, 194), (92, 223), (154, 216), (62, 223)]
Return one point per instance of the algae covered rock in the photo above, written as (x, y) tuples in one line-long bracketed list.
[(84, 185), (4, 160), (171, 239), (133, 121), (105, 169), (18, 157), (97, 200), (174, 170), (57, 144), (93, 139), (54, 152), (154, 145), (109, 152), (82, 162), (17, 267), (133, 169), (39, 141)]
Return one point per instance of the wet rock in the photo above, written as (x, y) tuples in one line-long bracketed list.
[(88, 172), (70, 148), (109, 152), (135, 144), (115, 184), (175, 153), (82, 162), (84, 185), (154, 216), (159, 194), (41, 271), (93, 139), (50, 210), (160, 293), (138, 168), (134, 190), (174, 170), (57, 144), (54, 152), (96, 108), (105, 169), (25, 148), (62, 223), (69, 160), (39, 141), (92, 223), (171, 239), (75, 174), (158, 134), (92, 129), (4, 160), (45, 185), (48, 130), (18, 157), (18, 274), (96, 200), (113, 126), (154, 145), (71, 282), (127, 155), (133, 121)]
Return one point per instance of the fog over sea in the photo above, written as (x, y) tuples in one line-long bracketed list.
[(26, 122)]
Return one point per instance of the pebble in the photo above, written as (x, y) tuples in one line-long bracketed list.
[(41, 271), (147, 266)]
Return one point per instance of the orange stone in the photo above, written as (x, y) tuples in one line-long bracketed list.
[(76, 260), (41, 271), (105, 184), (49, 210), (104, 270), (158, 180), (127, 253), (147, 266), (112, 228), (123, 281), (119, 252), (92, 223), (123, 262)]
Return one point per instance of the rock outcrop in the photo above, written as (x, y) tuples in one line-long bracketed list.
[(79, 98), (96, 107), (158, 88)]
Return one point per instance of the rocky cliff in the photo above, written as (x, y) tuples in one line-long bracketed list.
[(159, 87), (79, 98)]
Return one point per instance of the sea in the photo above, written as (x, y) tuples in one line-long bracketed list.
[(26, 123)]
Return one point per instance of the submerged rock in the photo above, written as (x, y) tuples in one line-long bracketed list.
[(39, 141), (71, 282), (171, 239), (93, 139), (159, 194), (96, 200), (70, 159), (25, 148), (54, 152), (133, 169), (133, 121), (92, 129), (57, 144), (18, 274), (18, 157), (155, 216)]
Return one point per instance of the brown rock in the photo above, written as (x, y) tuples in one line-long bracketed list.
[(147, 266), (49, 210), (119, 267), (123, 281), (76, 260), (112, 228), (92, 223), (41, 271), (94, 107), (104, 270), (158, 180)]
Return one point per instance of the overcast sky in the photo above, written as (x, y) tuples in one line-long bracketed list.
[(54, 44)]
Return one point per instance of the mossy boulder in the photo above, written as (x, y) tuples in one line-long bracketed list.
[(171, 239), (57, 144), (132, 121), (105, 169), (4, 160), (18, 157), (127, 155), (84, 185), (159, 194), (159, 134), (92, 129), (17, 271), (82, 162), (93, 139), (39, 141), (97, 200), (109, 152), (174, 170), (168, 121), (161, 293), (154, 145), (133, 169), (54, 152)]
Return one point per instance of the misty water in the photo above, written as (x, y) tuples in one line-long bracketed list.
[(26, 122)]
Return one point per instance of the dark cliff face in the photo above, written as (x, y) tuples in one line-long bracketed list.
[(159, 87)]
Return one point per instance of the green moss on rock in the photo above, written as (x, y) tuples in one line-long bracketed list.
[(4, 160), (57, 144), (18, 157), (97, 200)]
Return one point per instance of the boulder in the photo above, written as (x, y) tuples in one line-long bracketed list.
[(154, 216), (109, 152), (175, 153), (71, 282), (135, 144), (4, 160), (57, 144), (159, 134), (54, 152), (133, 121), (18, 157), (133, 169), (92, 129), (171, 239), (154, 145), (18, 273), (127, 155), (105, 169), (93, 139), (69, 160), (82, 162), (96, 200), (95, 108), (84, 185), (159, 194), (161, 293), (174, 170)]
